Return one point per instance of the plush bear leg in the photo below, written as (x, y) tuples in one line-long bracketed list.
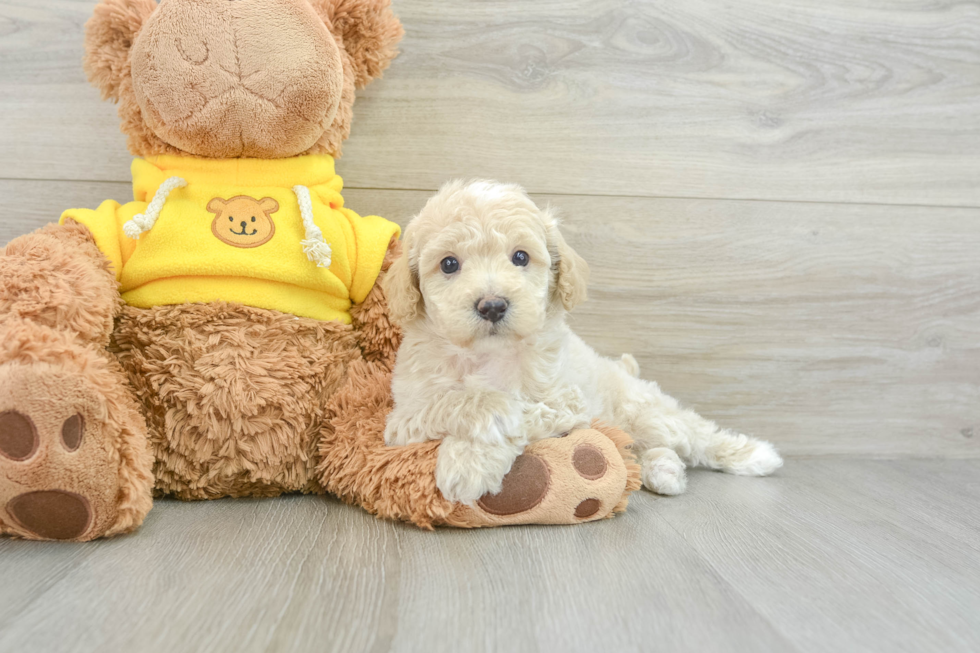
[(74, 461), (584, 476)]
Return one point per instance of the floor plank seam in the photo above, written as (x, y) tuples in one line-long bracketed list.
[(625, 196)]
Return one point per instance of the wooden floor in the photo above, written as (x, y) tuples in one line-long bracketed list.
[(780, 203), (831, 555)]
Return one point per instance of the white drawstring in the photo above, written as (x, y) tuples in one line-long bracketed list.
[(314, 246), (143, 222), (316, 249)]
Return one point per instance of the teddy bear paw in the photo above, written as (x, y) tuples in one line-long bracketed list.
[(575, 478), (59, 466)]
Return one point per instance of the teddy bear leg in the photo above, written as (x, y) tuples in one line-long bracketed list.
[(583, 476), (74, 462)]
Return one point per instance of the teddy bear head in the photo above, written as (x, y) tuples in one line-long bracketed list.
[(237, 78)]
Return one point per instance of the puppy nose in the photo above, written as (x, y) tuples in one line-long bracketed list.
[(244, 224), (492, 308)]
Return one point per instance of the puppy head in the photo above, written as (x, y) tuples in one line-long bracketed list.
[(482, 261)]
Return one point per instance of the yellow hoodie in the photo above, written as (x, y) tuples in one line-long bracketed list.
[(267, 233)]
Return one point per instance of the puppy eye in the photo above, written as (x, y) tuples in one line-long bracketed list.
[(253, 218), (449, 264), (520, 258)]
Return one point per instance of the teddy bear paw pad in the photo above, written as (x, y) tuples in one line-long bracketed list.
[(524, 487), (18, 437), (589, 462), (58, 468), (51, 514)]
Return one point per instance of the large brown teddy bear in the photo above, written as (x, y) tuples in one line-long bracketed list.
[(224, 334)]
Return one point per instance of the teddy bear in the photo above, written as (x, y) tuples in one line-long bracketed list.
[(225, 333)]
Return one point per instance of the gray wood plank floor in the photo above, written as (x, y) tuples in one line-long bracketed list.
[(831, 554), (781, 208)]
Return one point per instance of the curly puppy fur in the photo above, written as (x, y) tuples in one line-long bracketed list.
[(399, 482), (487, 385)]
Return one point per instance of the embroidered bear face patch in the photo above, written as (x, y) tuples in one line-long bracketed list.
[(243, 221)]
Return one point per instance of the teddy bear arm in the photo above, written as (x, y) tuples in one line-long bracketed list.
[(56, 277), (377, 336), (586, 475), (354, 463)]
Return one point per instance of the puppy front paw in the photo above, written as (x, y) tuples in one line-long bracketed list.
[(574, 422), (466, 470), (397, 433), (402, 430), (542, 421)]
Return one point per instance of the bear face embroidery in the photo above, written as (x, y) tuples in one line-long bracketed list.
[(243, 221)]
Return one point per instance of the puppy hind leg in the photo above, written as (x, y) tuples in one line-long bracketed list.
[(737, 453), (662, 471), (656, 420), (700, 442)]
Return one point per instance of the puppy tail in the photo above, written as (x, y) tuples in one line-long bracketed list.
[(736, 453), (632, 367)]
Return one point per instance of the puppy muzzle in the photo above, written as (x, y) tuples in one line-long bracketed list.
[(491, 308)]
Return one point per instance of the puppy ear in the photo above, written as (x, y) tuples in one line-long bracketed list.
[(367, 30), (401, 286), (572, 275), (109, 35)]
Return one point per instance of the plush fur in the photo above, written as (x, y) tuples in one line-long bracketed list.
[(488, 388), (58, 278), (111, 467), (234, 395), (201, 93)]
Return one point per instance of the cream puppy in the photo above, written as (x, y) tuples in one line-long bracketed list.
[(488, 363)]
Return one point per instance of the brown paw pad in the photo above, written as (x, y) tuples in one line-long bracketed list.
[(72, 431), (52, 514), (18, 436), (524, 487), (587, 508), (63, 451), (589, 462)]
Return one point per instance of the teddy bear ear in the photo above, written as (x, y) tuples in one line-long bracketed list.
[(109, 35), (268, 205), (216, 205), (367, 30)]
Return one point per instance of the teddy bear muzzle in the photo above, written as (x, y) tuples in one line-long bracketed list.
[(251, 78)]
